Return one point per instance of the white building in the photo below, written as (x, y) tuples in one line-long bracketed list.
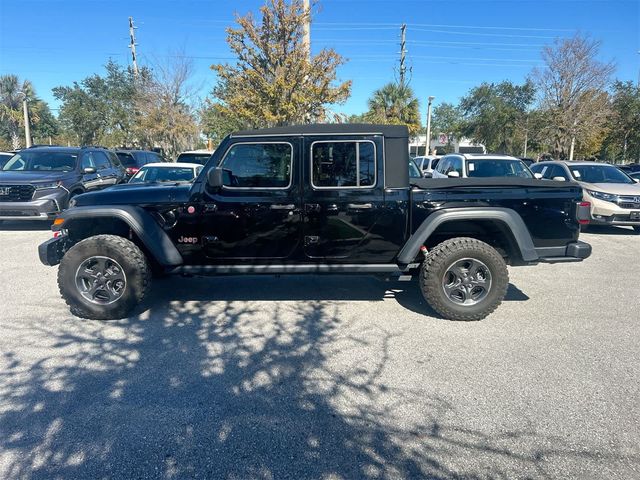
[(440, 142)]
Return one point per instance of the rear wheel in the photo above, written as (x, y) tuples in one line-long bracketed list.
[(104, 277), (464, 279)]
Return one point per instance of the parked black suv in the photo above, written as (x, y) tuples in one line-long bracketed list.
[(316, 199), (134, 160), (37, 183)]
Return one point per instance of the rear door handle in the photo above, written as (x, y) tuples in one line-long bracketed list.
[(282, 206), (359, 206)]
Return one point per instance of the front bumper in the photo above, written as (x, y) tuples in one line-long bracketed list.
[(573, 252), (52, 251), (43, 208), (609, 213)]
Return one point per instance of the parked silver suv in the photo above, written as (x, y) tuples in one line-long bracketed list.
[(614, 195)]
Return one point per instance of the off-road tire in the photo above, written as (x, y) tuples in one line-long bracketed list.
[(127, 254), (435, 266)]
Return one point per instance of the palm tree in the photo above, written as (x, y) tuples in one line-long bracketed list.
[(395, 104), (11, 95)]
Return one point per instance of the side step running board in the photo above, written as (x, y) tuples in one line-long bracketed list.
[(283, 269)]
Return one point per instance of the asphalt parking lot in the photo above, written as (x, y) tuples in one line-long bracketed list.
[(324, 377)]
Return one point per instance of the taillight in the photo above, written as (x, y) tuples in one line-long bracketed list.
[(131, 170), (583, 212)]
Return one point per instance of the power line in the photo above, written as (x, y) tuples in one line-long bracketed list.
[(442, 25)]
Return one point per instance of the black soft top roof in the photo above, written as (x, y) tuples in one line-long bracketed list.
[(391, 131)]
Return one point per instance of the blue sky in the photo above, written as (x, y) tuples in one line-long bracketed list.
[(452, 45)]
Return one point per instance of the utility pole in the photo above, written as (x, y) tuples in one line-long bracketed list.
[(428, 141), (307, 29), (573, 139), (132, 46), (25, 112), (526, 137), (403, 52)]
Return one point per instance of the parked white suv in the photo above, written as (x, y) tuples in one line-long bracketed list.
[(427, 164), (471, 165)]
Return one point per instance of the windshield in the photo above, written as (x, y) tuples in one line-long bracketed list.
[(163, 174), (488, 167), (32, 161), (414, 172), (200, 158), (599, 174)]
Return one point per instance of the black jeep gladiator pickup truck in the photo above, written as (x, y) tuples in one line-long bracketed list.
[(315, 199)]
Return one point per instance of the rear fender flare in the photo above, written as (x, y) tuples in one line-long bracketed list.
[(154, 238), (507, 216)]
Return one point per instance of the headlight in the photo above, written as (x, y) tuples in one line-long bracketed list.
[(608, 197), (44, 186)]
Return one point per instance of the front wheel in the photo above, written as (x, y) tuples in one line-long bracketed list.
[(464, 279), (104, 277)]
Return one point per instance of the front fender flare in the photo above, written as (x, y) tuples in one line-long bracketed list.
[(154, 238), (508, 217)]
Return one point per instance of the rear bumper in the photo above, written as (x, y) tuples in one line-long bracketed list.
[(52, 251), (573, 252)]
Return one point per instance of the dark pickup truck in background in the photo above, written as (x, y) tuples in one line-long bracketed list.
[(316, 199)]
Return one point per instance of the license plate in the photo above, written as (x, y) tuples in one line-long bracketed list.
[(634, 216)]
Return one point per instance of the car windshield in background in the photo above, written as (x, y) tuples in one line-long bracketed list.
[(163, 174), (598, 174), (487, 167), (42, 161), (126, 159), (200, 158)]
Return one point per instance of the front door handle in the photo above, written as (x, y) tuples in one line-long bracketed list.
[(282, 206), (359, 206)]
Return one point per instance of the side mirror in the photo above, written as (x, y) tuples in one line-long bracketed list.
[(89, 170), (427, 174), (538, 175), (453, 175), (215, 178), (559, 179)]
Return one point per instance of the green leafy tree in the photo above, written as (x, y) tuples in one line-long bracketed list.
[(494, 114), (99, 109), (447, 118), (274, 81), (12, 92), (395, 104), (622, 141)]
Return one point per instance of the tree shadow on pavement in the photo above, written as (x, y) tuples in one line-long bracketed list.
[(233, 389)]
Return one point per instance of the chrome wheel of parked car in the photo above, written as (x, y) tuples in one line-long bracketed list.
[(101, 280), (467, 281)]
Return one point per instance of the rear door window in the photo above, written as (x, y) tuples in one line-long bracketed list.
[(343, 164)]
